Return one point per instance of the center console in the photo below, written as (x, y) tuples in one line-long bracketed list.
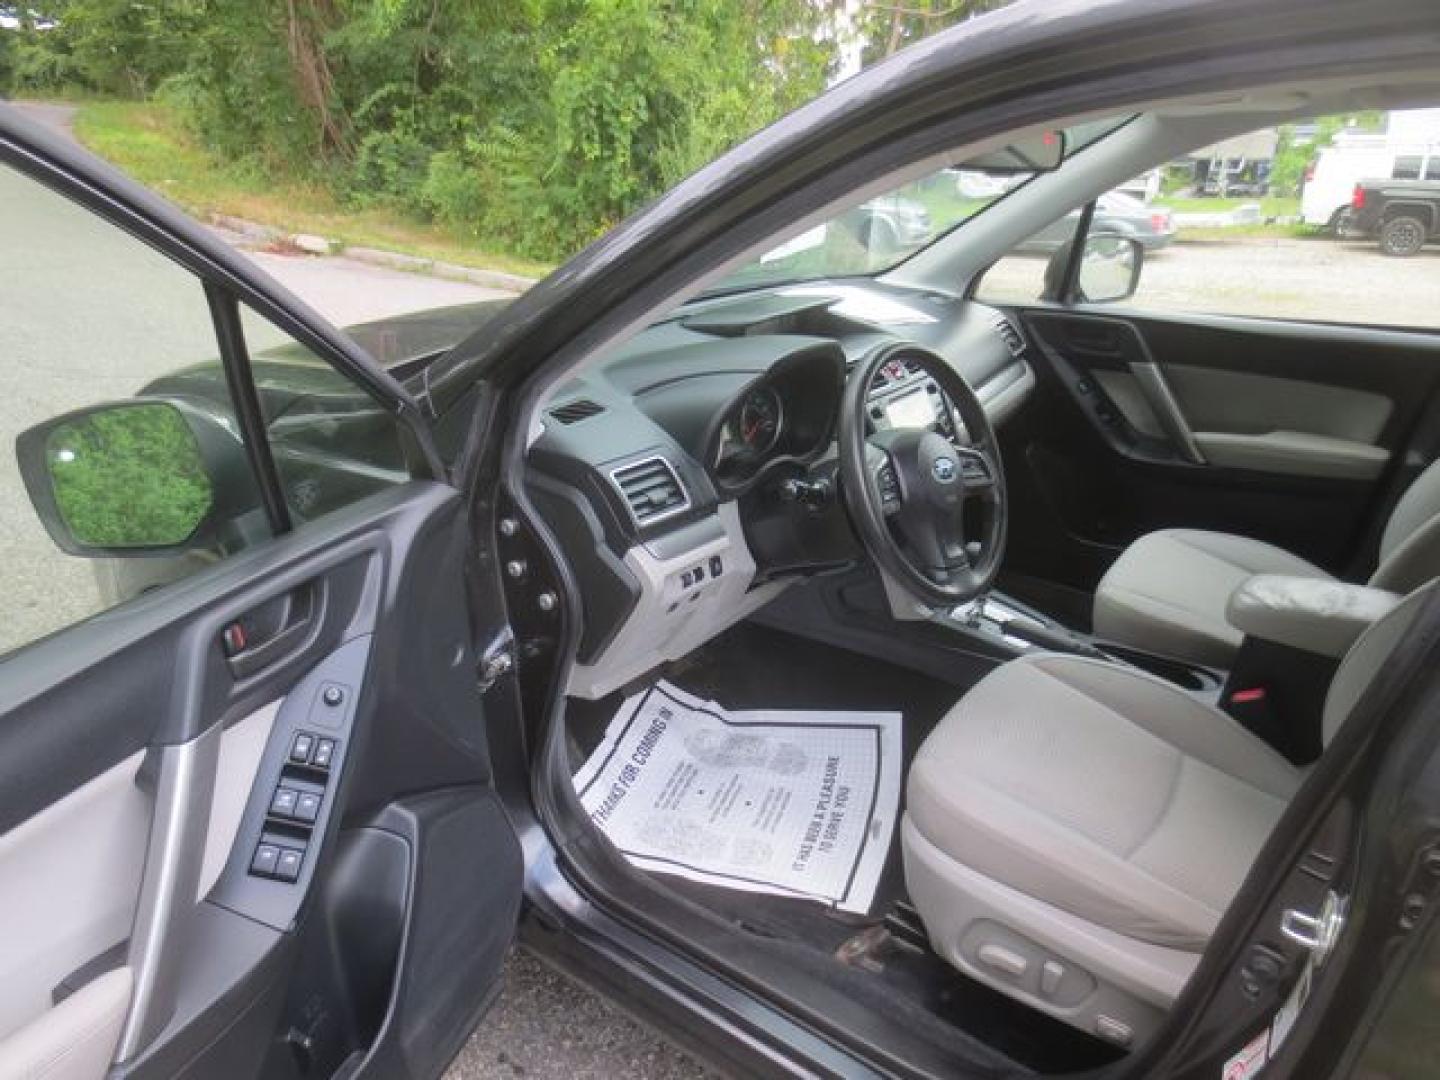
[(1009, 625)]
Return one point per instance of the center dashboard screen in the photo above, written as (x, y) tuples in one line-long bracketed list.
[(910, 410)]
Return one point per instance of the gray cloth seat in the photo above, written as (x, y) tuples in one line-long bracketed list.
[(1075, 816), (1168, 590)]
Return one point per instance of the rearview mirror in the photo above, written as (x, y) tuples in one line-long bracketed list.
[(130, 478), (1109, 270)]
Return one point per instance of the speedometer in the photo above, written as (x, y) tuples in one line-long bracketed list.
[(759, 419)]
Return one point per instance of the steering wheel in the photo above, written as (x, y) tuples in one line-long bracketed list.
[(908, 489)]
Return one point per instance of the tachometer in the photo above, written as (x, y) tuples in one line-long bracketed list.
[(759, 419)]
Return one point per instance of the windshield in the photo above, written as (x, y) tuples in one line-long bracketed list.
[(874, 236), (884, 231)]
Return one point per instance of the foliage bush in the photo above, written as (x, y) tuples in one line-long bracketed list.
[(536, 124)]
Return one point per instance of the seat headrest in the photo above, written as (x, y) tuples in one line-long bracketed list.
[(1410, 544)]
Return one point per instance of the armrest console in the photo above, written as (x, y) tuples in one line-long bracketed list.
[(1310, 614)]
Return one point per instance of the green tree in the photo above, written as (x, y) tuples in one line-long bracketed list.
[(124, 47), (1298, 148)]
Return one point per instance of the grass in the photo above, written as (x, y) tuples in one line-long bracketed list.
[(1270, 205), (147, 140)]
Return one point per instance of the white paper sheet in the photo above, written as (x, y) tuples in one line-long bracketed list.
[(786, 802)]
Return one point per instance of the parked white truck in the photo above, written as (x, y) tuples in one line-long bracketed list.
[(1409, 149)]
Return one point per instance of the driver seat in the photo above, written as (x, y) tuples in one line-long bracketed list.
[(1074, 829)]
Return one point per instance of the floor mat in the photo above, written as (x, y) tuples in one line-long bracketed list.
[(793, 803)]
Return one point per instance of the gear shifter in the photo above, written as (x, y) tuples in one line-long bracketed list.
[(986, 616)]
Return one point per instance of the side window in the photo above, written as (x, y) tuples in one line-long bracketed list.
[(123, 469), (332, 443), (1407, 167), (1019, 278), (1290, 222)]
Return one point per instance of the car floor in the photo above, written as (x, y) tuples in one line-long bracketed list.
[(882, 956)]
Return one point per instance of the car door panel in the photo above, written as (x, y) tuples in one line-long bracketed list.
[(139, 767), (1290, 433)]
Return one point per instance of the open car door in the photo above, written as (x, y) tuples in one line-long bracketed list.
[(247, 818)]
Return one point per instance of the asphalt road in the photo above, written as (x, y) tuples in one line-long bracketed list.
[(88, 316)]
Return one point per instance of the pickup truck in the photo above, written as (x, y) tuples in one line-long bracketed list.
[(1401, 214)]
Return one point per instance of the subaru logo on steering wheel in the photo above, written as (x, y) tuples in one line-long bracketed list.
[(943, 469)]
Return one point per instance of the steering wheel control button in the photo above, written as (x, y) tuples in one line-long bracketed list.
[(333, 696), (287, 865), (307, 807), (282, 804), (302, 747), (944, 470), (265, 860), (324, 752)]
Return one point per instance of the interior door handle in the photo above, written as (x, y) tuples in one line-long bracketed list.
[(273, 630), (1167, 410)]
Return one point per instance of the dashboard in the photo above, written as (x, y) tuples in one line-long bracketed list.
[(690, 476)]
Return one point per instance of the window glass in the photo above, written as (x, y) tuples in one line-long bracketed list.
[(883, 231), (1019, 278), (89, 317), (1432, 167), (1407, 167), (332, 443), (1285, 222)]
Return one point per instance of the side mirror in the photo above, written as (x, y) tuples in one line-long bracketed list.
[(134, 478), (1110, 268)]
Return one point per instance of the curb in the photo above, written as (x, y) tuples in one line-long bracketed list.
[(392, 260)]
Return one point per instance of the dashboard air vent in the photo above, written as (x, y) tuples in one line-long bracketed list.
[(651, 488), (572, 412), (1013, 341)]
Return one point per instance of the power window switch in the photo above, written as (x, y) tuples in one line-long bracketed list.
[(717, 567), (307, 807), (302, 747), (282, 804), (324, 752), (263, 864), (287, 865)]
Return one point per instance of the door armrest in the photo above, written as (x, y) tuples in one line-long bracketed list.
[(1311, 614)]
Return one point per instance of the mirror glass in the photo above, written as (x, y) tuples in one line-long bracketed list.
[(128, 476), (1110, 268)]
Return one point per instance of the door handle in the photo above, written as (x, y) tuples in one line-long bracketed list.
[(1161, 399), (272, 631)]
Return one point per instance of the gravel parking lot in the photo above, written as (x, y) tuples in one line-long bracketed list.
[(1319, 278)]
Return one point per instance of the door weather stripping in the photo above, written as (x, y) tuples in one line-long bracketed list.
[(1317, 933), (1167, 410)]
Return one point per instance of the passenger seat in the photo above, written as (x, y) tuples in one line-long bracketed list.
[(1168, 590)]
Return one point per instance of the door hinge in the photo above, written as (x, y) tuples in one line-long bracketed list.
[(1316, 933)]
